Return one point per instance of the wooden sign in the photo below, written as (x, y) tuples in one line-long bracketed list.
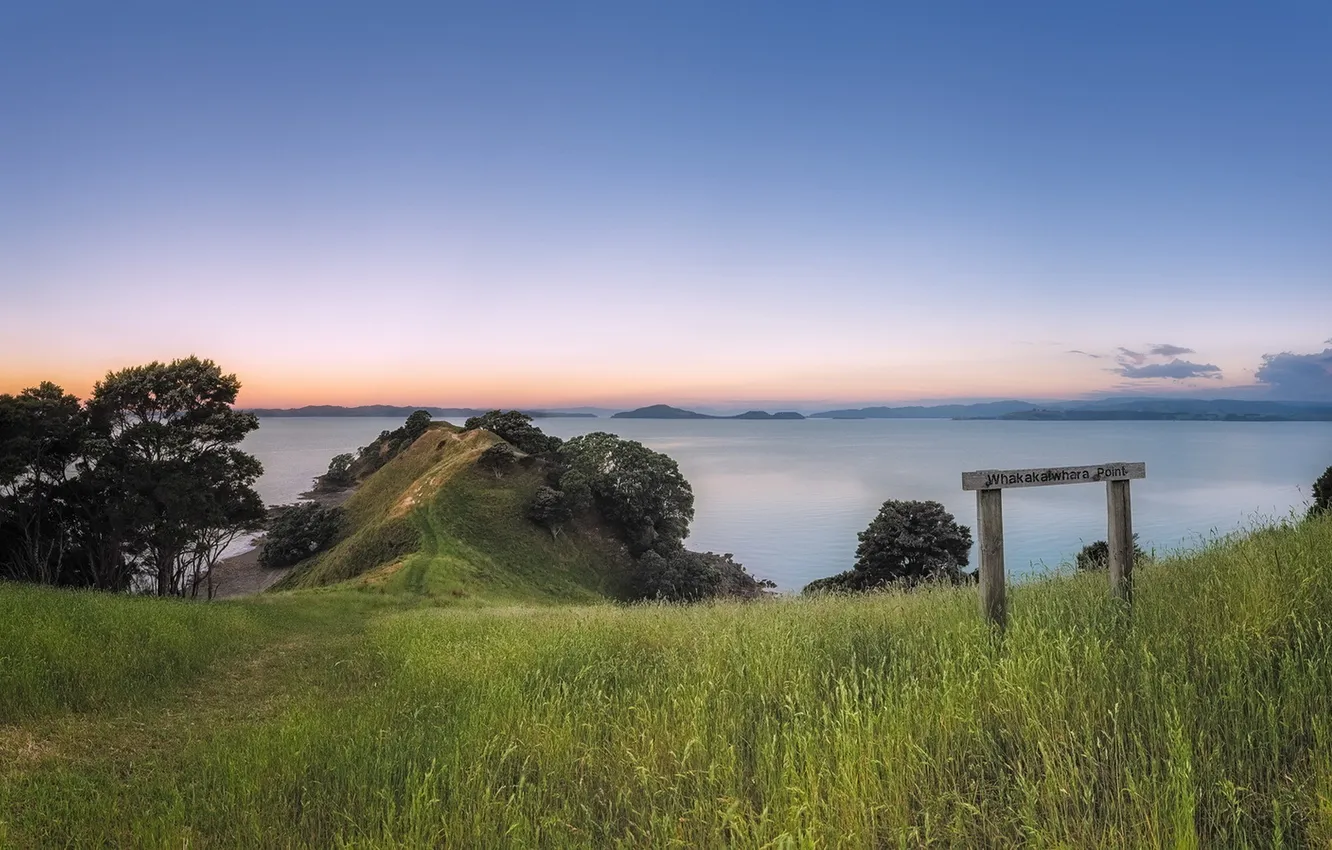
[(1000, 479), (990, 484)]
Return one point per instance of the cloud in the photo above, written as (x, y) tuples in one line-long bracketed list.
[(1084, 353), (1302, 377), (1127, 356), (1176, 369), (1165, 349)]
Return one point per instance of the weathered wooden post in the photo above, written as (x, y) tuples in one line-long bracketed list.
[(990, 527), (989, 485), (1119, 538)]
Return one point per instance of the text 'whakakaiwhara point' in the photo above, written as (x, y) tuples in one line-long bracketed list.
[(998, 479)]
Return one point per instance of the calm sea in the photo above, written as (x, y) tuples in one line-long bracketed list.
[(788, 498)]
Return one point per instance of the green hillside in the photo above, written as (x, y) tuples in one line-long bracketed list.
[(432, 523), (336, 717)]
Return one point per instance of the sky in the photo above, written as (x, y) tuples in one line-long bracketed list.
[(616, 203)]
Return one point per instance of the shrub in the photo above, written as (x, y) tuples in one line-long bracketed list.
[(299, 531), (340, 470), (1096, 556), (516, 429), (1322, 493), (497, 459), (684, 576), (550, 509), (641, 491), (908, 542)]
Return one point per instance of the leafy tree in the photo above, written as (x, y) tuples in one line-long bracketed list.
[(43, 432), (340, 470), (679, 575), (299, 531), (639, 490), (1096, 555), (908, 542), (515, 428), (498, 459), (416, 425), (1322, 493), (171, 446), (551, 509)]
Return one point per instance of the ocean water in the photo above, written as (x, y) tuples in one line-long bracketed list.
[(788, 498)]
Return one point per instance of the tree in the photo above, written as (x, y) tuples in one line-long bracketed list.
[(551, 509), (299, 531), (43, 432), (416, 425), (907, 543), (679, 575), (642, 492), (339, 472), (515, 428), (1096, 555), (498, 459), (171, 445), (1322, 493)]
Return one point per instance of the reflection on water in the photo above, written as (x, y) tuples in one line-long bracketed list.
[(788, 498)]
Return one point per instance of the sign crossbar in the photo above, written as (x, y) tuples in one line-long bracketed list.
[(1000, 479), (989, 485)]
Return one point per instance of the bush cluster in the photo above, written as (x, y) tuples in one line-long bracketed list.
[(299, 531)]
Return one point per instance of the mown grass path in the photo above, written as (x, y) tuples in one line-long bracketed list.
[(89, 778)]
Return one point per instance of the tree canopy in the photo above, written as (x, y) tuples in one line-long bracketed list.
[(640, 490), (907, 542), (515, 428), (1322, 494), (146, 479)]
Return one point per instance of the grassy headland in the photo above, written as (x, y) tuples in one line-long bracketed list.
[(340, 717)]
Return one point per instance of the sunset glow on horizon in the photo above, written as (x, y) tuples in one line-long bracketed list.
[(615, 205)]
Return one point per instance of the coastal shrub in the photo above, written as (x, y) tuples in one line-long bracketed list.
[(550, 509), (907, 543), (339, 472), (515, 428), (498, 459), (1096, 556), (1322, 493), (640, 491), (299, 531), (685, 576)]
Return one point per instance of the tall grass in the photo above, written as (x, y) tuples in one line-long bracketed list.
[(1201, 719), (66, 650)]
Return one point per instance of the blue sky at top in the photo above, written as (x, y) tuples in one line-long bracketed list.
[(563, 203)]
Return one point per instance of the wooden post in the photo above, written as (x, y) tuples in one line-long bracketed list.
[(990, 527), (1119, 538)]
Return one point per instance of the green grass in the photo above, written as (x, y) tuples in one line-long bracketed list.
[(62, 651), (1204, 719), (431, 524)]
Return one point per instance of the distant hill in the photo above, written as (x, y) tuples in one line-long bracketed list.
[(941, 411), (1222, 410), (399, 412), (665, 411), (1107, 409)]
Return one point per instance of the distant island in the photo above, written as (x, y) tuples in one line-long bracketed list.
[(665, 411), (399, 412), (1118, 409)]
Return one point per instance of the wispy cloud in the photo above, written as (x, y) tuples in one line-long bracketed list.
[(1176, 369), (1165, 349), (1129, 356), (1085, 353)]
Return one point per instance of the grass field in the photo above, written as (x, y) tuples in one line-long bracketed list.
[(341, 717)]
